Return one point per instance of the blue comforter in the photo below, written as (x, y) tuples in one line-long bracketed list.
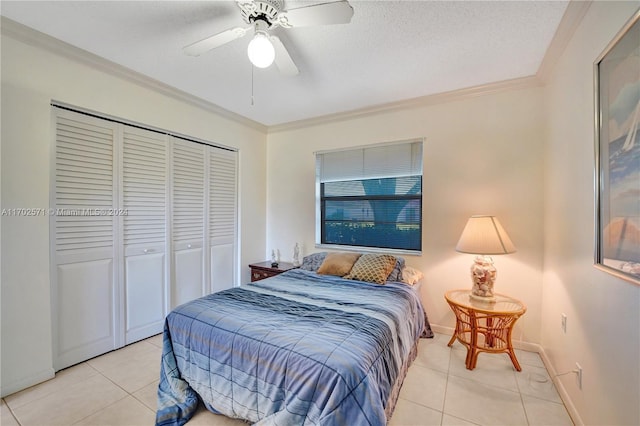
[(295, 349)]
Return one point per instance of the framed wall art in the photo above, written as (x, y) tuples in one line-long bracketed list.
[(617, 108)]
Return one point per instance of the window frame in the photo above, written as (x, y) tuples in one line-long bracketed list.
[(321, 200)]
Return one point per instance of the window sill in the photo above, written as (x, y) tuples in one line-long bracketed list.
[(369, 249)]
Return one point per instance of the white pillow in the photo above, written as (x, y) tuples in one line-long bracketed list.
[(411, 275)]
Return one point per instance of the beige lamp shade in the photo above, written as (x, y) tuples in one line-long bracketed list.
[(485, 236)]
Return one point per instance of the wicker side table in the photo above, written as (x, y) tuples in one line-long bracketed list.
[(484, 327)]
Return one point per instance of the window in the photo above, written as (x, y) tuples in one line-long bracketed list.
[(370, 197)]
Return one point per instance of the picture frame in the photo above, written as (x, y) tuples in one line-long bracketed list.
[(617, 149)]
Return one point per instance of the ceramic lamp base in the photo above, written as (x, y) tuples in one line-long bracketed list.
[(483, 275)]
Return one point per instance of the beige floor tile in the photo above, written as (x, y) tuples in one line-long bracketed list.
[(155, 340), (122, 356), (496, 369), (125, 412), (409, 413), (448, 420), (62, 380), (71, 404), (433, 354), (545, 413), (424, 386), (529, 358), (483, 403), (536, 382), (132, 369), (148, 395), (6, 418)]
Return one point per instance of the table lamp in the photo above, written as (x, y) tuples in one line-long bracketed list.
[(483, 236)]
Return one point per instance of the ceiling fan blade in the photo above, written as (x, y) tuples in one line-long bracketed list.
[(339, 12), (204, 45), (283, 60)]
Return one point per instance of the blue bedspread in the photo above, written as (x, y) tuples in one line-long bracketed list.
[(295, 349)]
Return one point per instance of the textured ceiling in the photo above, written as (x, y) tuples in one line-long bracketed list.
[(391, 50)]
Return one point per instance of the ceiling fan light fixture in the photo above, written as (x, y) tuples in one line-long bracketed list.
[(261, 52)]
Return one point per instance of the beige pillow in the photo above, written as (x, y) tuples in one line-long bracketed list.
[(373, 268), (411, 275), (338, 263)]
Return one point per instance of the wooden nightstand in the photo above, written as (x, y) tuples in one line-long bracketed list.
[(484, 327), (262, 270)]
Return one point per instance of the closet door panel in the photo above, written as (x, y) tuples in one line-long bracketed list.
[(85, 311), (144, 200), (222, 217), (144, 275), (83, 239), (188, 275), (222, 267), (188, 221)]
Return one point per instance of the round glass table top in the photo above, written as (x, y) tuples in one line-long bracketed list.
[(502, 303)]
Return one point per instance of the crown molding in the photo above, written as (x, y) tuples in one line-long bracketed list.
[(437, 98), (576, 9), (27, 35), (569, 23)]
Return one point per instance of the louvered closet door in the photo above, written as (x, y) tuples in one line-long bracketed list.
[(144, 200), (222, 217), (188, 221), (84, 289)]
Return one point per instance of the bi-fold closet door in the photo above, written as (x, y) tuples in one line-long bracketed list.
[(144, 198), (144, 221), (204, 194), (188, 191), (85, 296)]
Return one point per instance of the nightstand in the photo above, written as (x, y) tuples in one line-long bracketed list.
[(262, 270), (484, 327)]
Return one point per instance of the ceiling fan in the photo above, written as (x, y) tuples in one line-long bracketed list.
[(264, 15)]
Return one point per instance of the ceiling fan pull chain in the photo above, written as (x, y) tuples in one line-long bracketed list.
[(252, 68)]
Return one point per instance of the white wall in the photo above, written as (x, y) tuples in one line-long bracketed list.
[(31, 78), (482, 155), (526, 155), (603, 326)]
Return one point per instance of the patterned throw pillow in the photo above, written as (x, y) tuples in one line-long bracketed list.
[(313, 261), (373, 268)]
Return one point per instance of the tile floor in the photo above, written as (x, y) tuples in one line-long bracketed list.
[(119, 388)]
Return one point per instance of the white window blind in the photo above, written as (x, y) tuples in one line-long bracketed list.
[(372, 162), (370, 197)]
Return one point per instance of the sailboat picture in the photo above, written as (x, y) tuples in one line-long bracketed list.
[(618, 148)]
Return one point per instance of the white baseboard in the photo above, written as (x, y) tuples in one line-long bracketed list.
[(442, 329), (533, 347), (13, 387), (562, 391)]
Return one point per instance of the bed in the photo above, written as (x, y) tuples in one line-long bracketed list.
[(300, 348)]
